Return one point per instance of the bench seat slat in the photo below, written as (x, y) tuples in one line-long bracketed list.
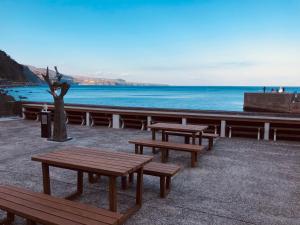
[(50, 210), (40, 208), (161, 169), (170, 145), (57, 206), (204, 135), (34, 215), (80, 206)]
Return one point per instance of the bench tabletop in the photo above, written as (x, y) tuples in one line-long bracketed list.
[(94, 160), (178, 127)]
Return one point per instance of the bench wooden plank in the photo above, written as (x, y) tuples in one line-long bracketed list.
[(105, 154), (79, 206), (161, 169), (110, 163), (93, 159), (45, 209), (168, 145)]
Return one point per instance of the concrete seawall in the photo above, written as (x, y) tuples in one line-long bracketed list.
[(272, 102)]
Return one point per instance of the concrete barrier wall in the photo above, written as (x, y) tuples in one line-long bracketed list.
[(271, 102)]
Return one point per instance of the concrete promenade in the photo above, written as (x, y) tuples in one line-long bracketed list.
[(240, 182)]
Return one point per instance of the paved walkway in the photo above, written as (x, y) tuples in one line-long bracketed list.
[(242, 181)]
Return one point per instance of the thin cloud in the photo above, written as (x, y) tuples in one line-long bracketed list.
[(213, 65)]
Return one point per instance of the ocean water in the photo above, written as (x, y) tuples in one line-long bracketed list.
[(175, 97)]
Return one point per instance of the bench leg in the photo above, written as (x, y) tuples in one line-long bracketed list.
[(141, 149), (136, 149), (124, 182), (46, 179), (168, 183), (139, 188), (193, 159), (163, 156), (131, 178), (186, 139), (162, 186), (112, 194), (210, 143), (200, 140), (153, 138), (79, 182), (10, 217)]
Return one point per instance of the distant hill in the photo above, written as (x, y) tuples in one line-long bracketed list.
[(12, 72), (41, 71)]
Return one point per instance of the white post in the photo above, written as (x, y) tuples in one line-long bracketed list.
[(149, 119), (267, 131), (116, 121), (23, 113), (87, 119), (183, 121), (223, 128)]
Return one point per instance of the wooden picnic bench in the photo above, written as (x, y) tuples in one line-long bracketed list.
[(49, 210), (164, 171), (287, 132), (245, 130), (100, 162), (134, 121), (166, 146), (164, 127), (101, 119)]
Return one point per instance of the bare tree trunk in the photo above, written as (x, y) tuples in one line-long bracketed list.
[(60, 129), (58, 90)]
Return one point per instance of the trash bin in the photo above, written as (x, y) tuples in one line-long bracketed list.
[(46, 124)]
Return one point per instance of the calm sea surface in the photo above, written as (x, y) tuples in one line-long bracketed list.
[(206, 98)]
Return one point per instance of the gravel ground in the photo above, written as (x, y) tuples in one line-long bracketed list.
[(242, 181)]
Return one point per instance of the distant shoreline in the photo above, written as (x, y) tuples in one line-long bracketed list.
[(17, 85)]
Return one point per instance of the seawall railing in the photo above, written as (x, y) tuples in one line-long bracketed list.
[(266, 126)]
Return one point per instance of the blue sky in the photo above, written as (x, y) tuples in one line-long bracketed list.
[(180, 42)]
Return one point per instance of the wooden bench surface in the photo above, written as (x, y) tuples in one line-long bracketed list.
[(189, 135), (177, 127), (161, 169), (50, 210), (208, 135), (246, 127), (96, 161), (168, 145), (285, 129)]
